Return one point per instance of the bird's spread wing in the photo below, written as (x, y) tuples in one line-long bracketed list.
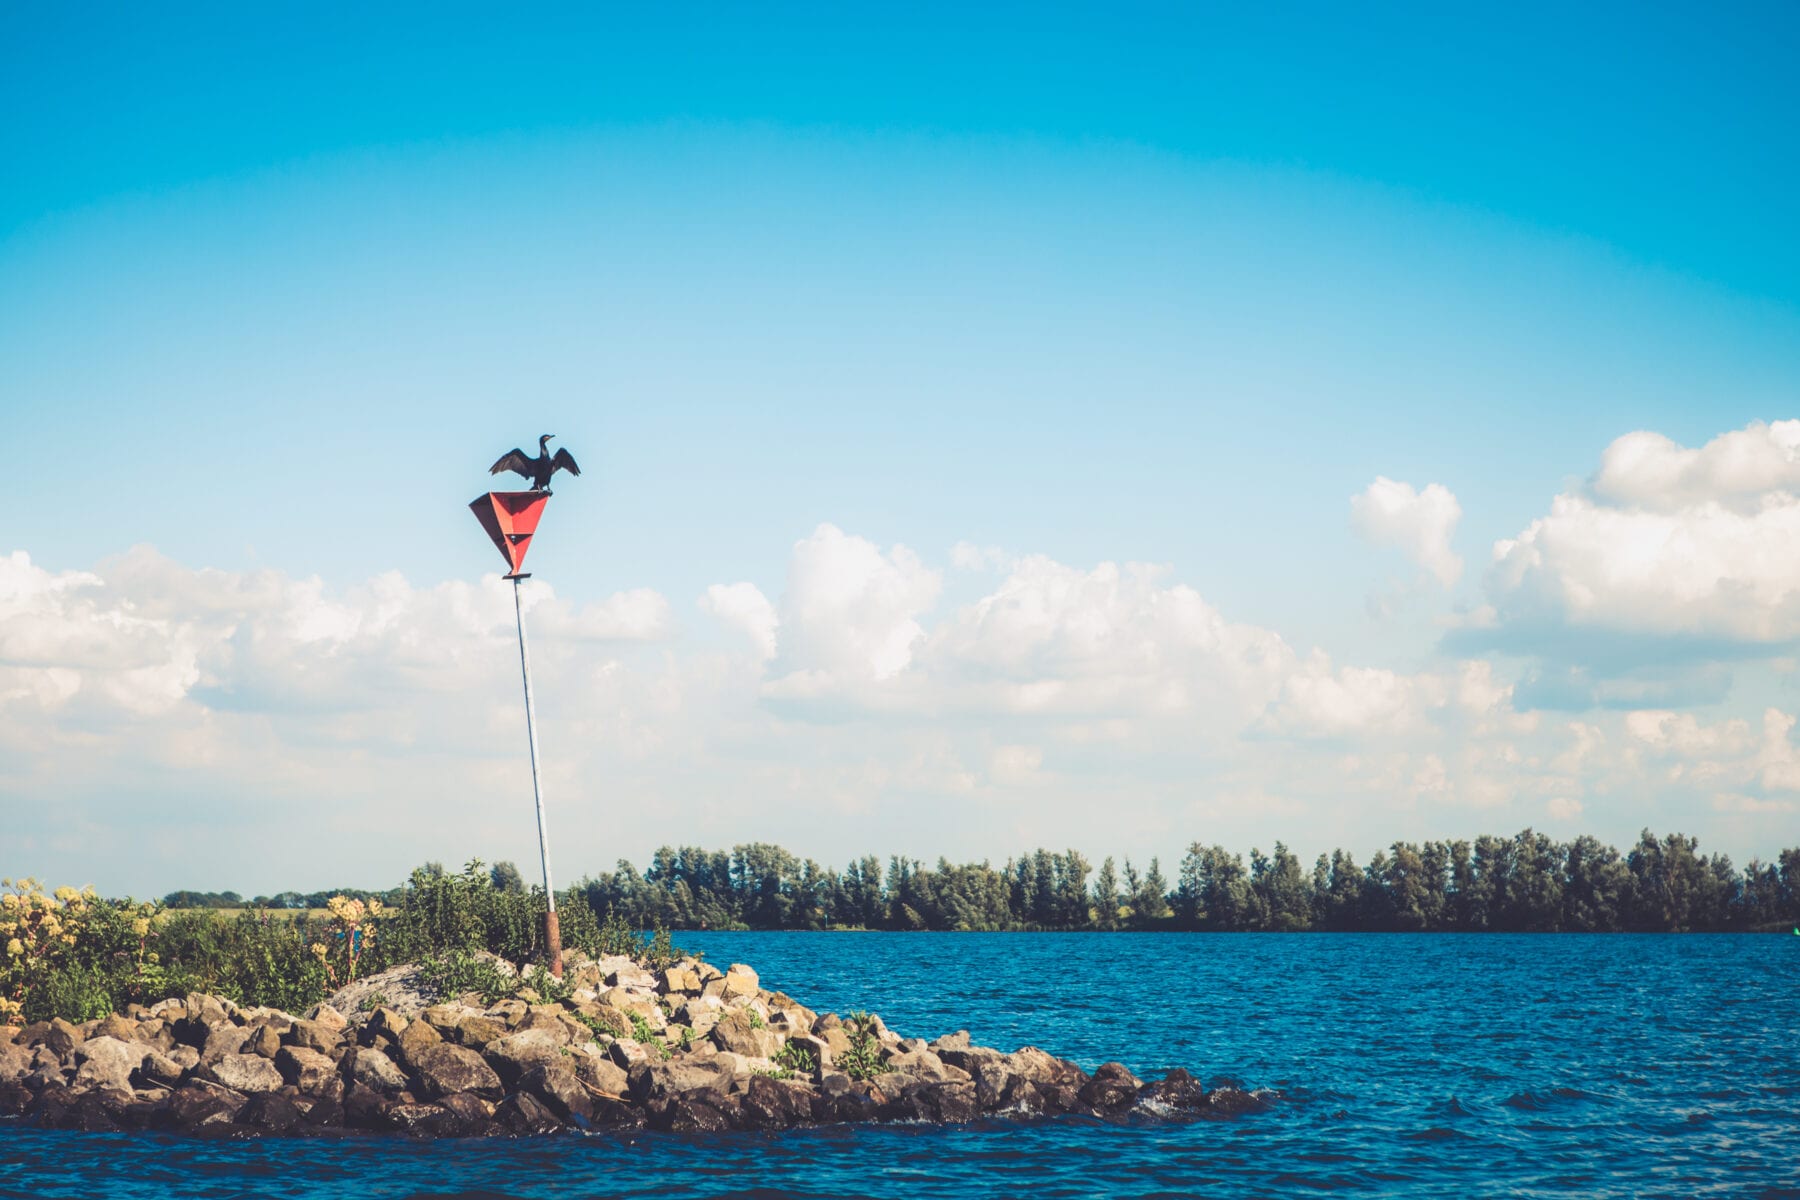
[(565, 460), (512, 460)]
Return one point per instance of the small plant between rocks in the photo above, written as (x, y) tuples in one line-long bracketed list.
[(862, 1061)]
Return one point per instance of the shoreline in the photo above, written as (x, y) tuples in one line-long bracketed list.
[(684, 1048)]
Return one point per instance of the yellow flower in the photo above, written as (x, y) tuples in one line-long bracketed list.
[(318, 949), (15, 947), (67, 895), (141, 926), (9, 900)]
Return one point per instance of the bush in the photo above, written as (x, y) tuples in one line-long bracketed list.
[(72, 954), (863, 1059)]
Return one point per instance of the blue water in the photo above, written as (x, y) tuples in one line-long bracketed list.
[(1425, 1065)]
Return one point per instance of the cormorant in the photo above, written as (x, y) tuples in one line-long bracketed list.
[(539, 469)]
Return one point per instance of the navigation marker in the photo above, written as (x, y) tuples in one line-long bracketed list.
[(510, 518)]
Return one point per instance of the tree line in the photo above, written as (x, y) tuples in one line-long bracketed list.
[(1529, 882)]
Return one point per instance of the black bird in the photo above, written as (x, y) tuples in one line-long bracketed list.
[(539, 469)]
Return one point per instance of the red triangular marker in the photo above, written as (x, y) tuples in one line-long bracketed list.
[(510, 519)]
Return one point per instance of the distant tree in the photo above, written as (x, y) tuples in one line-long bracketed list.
[(1150, 903), (506, 878), (1106, 896)]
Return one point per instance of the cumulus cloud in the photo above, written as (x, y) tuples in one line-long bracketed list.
[(1703, 570), (850, 615), (1052, 638), (1651, 586), (1669, 542), (743, 607), (1418, 523), (1736, 469)]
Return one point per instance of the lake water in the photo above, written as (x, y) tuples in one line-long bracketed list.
[(1492, 1065)]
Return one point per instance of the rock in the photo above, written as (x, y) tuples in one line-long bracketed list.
[(1177, 1090), (305, 1068), (556, 1085), (115, 1026), (316, 1035), (198, 1105), (679, 981), (329, 1017), (99, 1111), (1057, 1081), (106, 1062), (1230, 1101), (400, 989), (327, 1104), (365, 1108), (158, 1068), (384, 1022), (418, 1036), (700, 1013), (15, 1098), (517, 1053), (835, 1040), (375, 1070), (207, 1009), (653, 1083), (478, 1030), (444, 1017), (264, 1041), (629, 1004), (524, 1114), (947, 1102), (15, 1062), (740, 980), (270, 1112), (444, 1069), (598, 1072), (426, 1120), (1111, 1089), (222, 1040), (509, 1012), (774, 1104), (627, 974), (736, 1033), (550, 1019), (628, 1053), (955, 1050), (61, 1037), (476, 1113), (245, 1073), (923, 1064)]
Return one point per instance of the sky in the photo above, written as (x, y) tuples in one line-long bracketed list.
[(1108, 427)]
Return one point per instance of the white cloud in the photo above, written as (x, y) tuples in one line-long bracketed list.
[(1419, 523), (1669, 542), (1735, 469), (743, 607), (851, 612)]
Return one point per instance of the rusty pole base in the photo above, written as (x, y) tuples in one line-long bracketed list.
[(553, 935)]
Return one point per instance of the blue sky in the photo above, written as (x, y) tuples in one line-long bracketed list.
[(1068, 285)]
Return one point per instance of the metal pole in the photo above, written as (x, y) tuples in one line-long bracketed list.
[(553, 934)]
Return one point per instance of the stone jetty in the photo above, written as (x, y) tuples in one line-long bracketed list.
[(687, 1048)]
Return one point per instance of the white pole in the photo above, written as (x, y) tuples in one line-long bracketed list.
[(554, 934)]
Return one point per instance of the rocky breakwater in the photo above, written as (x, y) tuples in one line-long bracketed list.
[(687, 1048)]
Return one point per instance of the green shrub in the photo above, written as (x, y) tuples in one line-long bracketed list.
[(794, 1058), (863, 1059)]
